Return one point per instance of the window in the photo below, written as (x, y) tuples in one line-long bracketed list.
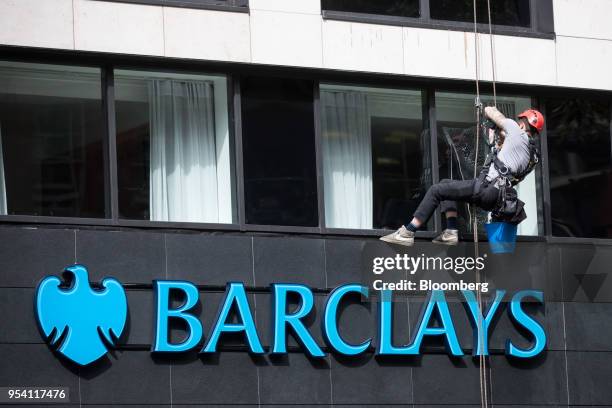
[(279, 152), (509, 17), (51, 141), (457, 152), (173, 147), (376, 156), (503, 12), (578, 133), (403, 8)]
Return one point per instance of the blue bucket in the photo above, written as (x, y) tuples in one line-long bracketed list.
[(502, 237)]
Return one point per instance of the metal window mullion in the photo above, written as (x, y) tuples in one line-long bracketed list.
[(546, 204), (232, 145), (424, 12), (319, 154), (111, 189), (610, 126), (533, 16), (238, 152), (429, 118)]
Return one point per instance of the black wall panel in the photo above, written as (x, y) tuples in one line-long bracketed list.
[(575, 369)]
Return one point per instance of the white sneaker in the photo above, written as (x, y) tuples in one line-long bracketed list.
[(401, 237), (447, 237)]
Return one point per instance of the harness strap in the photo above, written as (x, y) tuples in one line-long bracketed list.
[(504, 171)]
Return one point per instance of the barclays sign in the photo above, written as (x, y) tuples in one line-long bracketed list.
[(81, 323)]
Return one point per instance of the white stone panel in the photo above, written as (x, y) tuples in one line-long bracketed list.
[(583, 18), (207, 34), (439, 53), (289, 6), (36, 23), (118, 27), (452, 54), (584, 63), (525, 60), (286, 38), (362, 47)]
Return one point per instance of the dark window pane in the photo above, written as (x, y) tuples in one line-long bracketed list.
[(578, 132), (457, 153), (279, 152), (51, 130), (503, 12), (173, 156), (376, 156), (401, 8)]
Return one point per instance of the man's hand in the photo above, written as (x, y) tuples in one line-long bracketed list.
[(496, 116), (491, 136), (499, 140)]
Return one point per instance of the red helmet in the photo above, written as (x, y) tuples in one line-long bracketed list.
[(535, 118)]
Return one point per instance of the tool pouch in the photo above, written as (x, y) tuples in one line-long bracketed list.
[(509, 209)]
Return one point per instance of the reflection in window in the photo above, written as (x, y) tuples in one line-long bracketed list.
[(578, 133), (503, 12), (51, 132), (401, 8), (376, 165), (173, 147), (279, 152), (457, 152)]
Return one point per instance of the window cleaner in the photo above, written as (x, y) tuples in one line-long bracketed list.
[(501, 230), (513, 156)]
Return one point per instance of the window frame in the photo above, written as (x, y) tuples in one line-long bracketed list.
[(240, 6), (541, 16), (234, 71)]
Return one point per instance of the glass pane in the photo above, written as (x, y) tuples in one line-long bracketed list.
[(578, 133), (503, 12), (279, 152), (376, 156), (173, 147), (457, 153), (51, 130), (402, 8)]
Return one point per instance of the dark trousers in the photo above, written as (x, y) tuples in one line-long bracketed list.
[(447, 192)]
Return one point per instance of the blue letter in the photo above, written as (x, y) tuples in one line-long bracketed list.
[(436, 300), (235, 293), (480, 325), (162, 290), (330, 321), (520, 317), (282, 319), (385, 328)]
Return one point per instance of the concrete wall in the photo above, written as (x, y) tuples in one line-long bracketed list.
[(293, 33), (575, 369)]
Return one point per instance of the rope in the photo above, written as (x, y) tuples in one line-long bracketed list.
[(493, 62), (482, 366)]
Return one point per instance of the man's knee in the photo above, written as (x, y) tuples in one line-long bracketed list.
[(436, 189)]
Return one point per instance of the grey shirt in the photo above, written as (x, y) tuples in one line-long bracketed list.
[(515, 150)]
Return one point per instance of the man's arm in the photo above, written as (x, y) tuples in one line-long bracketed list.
[(496, 116)]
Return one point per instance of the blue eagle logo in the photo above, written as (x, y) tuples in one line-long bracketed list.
[(79, 321)]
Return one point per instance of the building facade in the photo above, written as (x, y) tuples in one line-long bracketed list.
[(271, 141)]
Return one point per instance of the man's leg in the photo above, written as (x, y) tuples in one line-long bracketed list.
[(449, 208), (446, 190)]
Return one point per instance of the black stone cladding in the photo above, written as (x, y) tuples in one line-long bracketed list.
[(575, 370)]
